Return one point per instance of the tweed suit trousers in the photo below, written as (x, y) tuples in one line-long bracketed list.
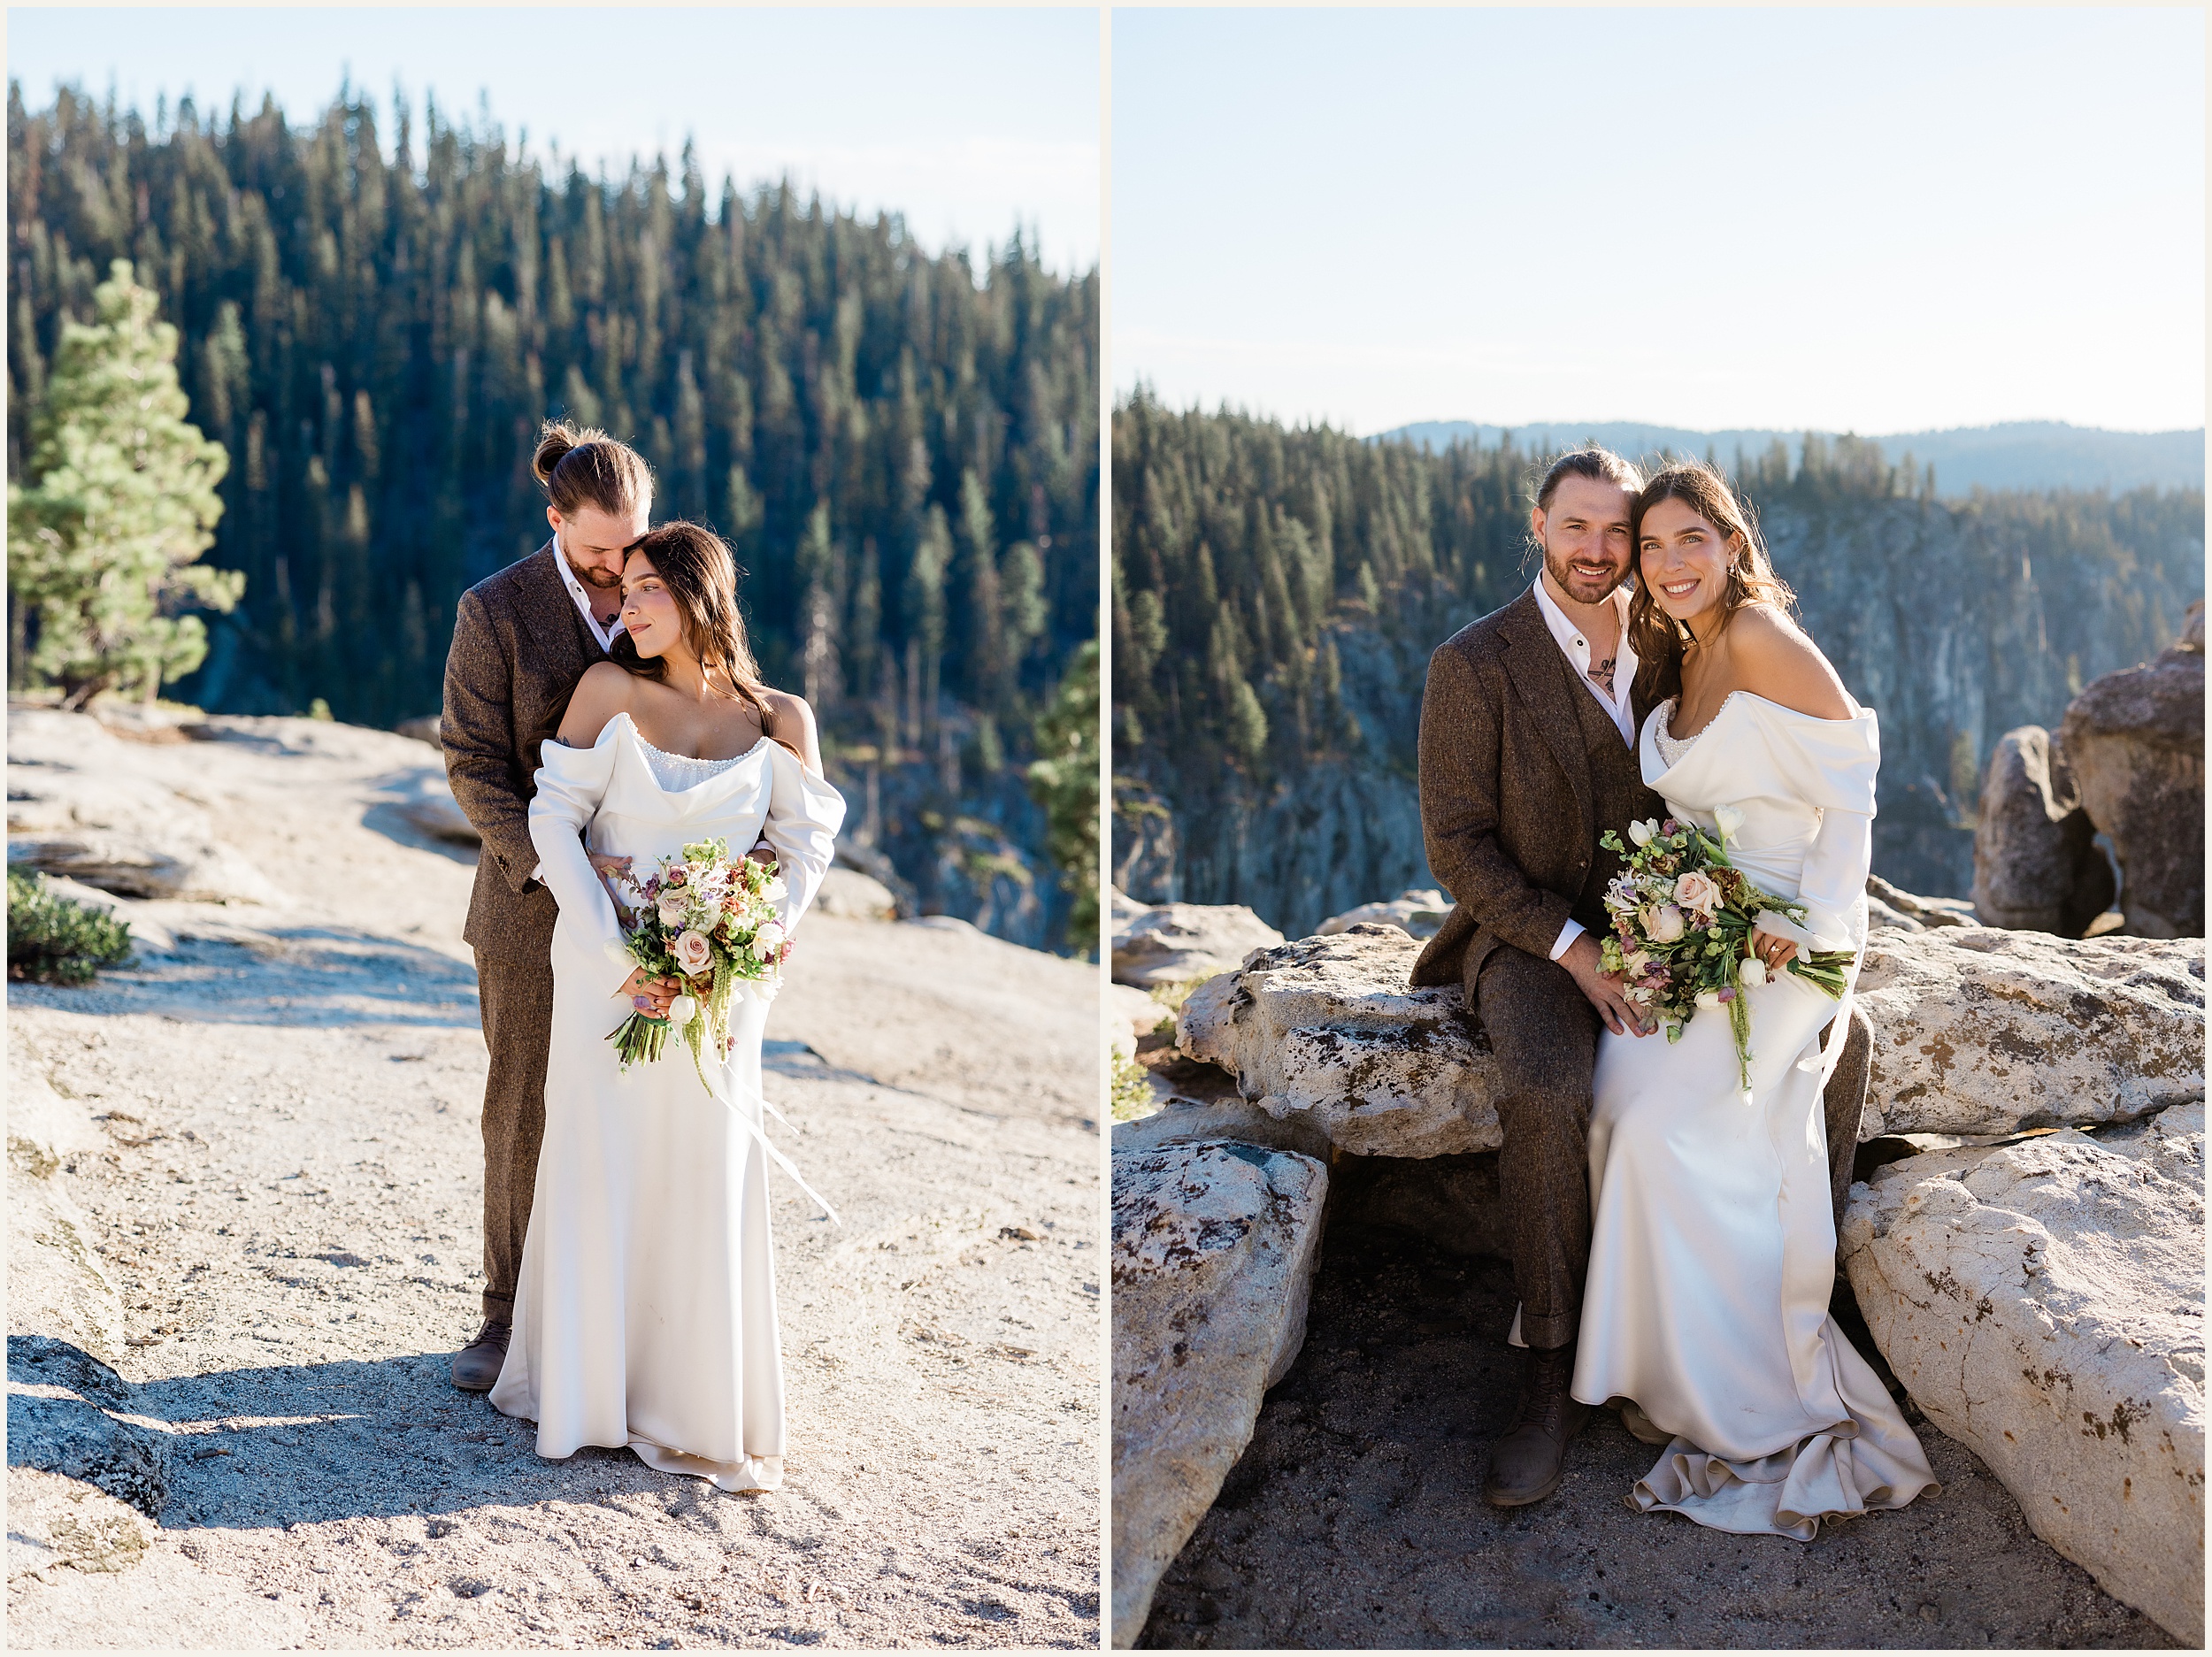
[(1544, 1033), (516, 997)]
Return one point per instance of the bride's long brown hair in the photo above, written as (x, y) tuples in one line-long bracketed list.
[(696, 567), (1658, 639)]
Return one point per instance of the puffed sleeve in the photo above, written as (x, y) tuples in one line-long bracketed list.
[(804, 814), (1830, 764), (570, 783)]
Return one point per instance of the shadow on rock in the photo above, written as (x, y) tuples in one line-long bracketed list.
[(287, 1444)]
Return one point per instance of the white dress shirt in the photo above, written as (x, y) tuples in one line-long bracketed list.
[(605, 635), (577, 591), (1576, 647)]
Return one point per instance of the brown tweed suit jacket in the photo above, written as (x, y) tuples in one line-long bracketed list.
[(518, 647), (1510, 811)]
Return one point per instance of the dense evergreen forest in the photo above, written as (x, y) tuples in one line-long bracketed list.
[(1276, 593), (902, 445)]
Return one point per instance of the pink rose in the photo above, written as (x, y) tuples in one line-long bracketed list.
[(692, 952), (1696, 891)]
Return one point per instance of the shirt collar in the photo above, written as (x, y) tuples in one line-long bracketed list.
[(1564, 630)]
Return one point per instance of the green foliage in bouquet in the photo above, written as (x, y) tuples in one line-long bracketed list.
[(54, 940)]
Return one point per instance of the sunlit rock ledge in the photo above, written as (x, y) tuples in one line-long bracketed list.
[(1977, 1031)]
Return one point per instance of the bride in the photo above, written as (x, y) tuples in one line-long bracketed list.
[(646, 1312), (1712, 1255)]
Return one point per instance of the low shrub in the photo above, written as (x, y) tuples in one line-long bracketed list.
[(54, 940)]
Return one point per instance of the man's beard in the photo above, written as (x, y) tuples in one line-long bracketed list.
[(1563, 576), (595, 578)]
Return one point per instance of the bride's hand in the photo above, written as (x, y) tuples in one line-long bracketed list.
[(649, 996), (1776, 952)]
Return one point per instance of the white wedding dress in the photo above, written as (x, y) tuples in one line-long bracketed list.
[(1712, 1253), (646, 1312)]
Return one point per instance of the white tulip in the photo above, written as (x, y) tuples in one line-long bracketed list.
[(1641, 833), (1709, 998), (1751, 972), (768, 939), (1727, 819), (774, 891), (683, 1010)]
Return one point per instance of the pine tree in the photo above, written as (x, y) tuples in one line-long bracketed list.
[(118, 501), (1064, 781)]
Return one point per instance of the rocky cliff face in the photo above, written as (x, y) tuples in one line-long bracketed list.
[(1954, 623)]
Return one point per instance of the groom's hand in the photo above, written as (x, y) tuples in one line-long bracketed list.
[(1586, 966)]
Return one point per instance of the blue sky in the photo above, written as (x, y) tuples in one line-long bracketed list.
[(968, 121), (1877, 220)]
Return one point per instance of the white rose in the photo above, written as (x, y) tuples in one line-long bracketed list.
[(768, 939), (1727, 819), (1641, 833), (1664, 924), (683, 1010), (672, 907), (1709, 998), (692, 952), (1751, 972)]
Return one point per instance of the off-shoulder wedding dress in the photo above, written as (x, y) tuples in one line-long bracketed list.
[(646, 1313), (1712, 1256)]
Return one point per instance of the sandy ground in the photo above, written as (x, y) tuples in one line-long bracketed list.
[(290, 1204), (1355, 1519)]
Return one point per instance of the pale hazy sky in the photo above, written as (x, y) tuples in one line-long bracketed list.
[(1880, 220), (967, 121)]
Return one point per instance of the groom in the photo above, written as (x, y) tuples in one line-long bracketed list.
[(1529, 722), (522, 637)]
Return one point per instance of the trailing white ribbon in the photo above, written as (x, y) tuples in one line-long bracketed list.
[(768, 1145)]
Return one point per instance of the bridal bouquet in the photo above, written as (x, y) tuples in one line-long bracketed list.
[(709, 920), (1683, 916)]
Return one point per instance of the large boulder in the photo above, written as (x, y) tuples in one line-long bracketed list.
[(1979, 1031), (855, 896), (1416, 912), (1975, 1031), (2037, 864), (2044, 1304), (1177, 942), (1214, 1249), (2135, 741), (75, 809), (1328, 1029)]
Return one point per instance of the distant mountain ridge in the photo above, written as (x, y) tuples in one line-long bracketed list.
[(2016, 454)]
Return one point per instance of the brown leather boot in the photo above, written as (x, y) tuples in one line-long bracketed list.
[(477, 1365), (1527, 1463)]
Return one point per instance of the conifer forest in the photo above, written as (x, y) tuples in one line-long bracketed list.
[(901, 445), (1276, 593)]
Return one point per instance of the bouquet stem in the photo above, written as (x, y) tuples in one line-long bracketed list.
[(640, 1039)]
